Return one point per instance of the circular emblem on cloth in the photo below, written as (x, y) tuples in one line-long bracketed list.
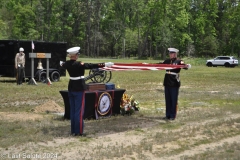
[(104, 103)]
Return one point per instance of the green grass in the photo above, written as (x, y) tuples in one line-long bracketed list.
[(206, 94)]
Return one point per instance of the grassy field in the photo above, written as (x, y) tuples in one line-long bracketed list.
[(207, 124)]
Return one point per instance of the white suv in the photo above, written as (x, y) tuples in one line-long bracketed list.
[(227, 61)]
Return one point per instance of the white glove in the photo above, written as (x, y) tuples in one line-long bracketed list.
[(61, 63), (109, 64), (189, 66), (153, 69)]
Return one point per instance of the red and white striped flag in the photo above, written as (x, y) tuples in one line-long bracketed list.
[(33, 45), (141, 66)]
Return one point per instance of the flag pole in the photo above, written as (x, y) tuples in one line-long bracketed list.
[(32, 46), (32, 81)]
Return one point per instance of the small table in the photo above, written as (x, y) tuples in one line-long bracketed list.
[(91, 98)]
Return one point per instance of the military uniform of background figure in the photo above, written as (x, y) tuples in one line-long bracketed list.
[(76, 87), (171, 84), (19, 65)]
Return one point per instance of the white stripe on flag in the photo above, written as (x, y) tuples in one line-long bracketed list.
[(139, 66)]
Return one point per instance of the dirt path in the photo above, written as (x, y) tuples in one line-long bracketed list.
[(203, 148), (72, 147)]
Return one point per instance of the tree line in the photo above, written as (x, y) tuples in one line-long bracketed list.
[(126, 28)]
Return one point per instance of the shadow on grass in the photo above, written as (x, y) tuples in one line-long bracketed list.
[(7, 81), (12, 80), (105, 126), (160, 90), (44, 130)]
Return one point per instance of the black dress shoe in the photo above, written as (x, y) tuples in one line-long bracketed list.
[(82, 135), (171, 119), (165, 118)]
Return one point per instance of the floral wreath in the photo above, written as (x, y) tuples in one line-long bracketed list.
[(128, 104)]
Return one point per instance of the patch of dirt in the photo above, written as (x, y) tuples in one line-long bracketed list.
[(204, 148), (19, 116), (49, 107)]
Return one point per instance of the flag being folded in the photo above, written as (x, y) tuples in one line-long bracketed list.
[(141, 66)]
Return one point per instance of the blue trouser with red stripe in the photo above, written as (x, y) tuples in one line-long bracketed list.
[(77, 103), (171, 99)]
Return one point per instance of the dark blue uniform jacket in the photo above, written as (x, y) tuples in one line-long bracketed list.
[(77, 69), (169, 79)]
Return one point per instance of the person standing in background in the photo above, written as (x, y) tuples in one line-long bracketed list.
[(20, 65)]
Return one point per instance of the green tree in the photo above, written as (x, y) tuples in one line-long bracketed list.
[(3, 30), (24, 22), (204, 16)]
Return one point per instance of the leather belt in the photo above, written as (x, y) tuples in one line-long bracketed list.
[(173, 73), (77, 78), (176, 74)]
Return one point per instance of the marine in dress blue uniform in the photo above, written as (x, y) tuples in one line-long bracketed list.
[(172, 84), (76, 88)]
